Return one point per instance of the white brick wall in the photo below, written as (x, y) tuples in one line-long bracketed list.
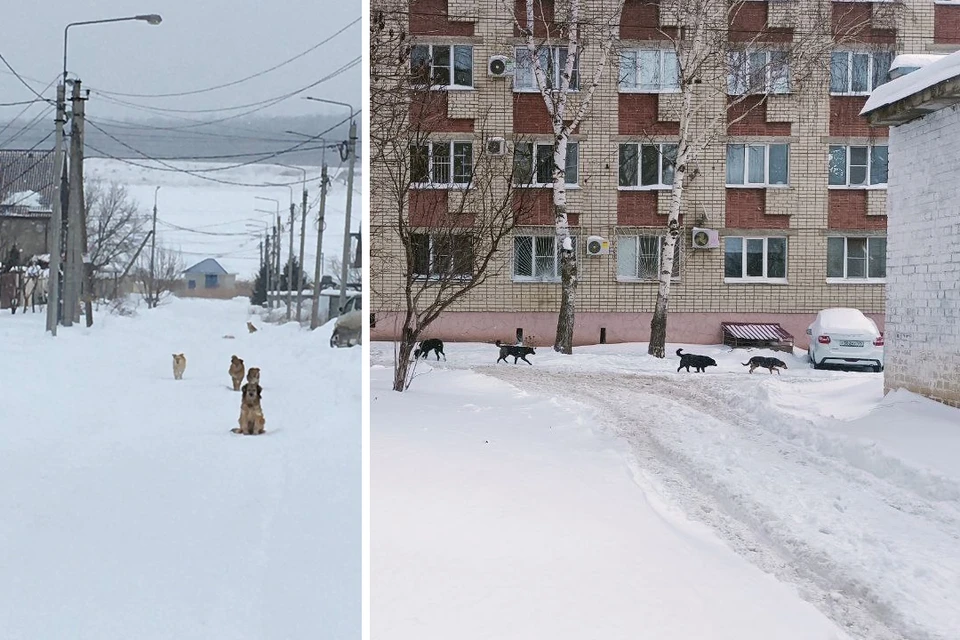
[(923, 258)]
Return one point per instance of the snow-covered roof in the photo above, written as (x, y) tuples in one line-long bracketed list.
[(24, 199), (915, 60), (207, 267), (946, 68), (845, 319)]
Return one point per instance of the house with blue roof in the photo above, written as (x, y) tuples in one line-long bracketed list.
[(208, 279)]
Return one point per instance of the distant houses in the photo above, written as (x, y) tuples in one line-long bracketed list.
[(208, 279)]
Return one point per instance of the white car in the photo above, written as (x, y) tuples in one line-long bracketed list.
[(348, 330), (845, 337)]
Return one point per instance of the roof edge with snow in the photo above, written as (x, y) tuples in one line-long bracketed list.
[(933, 87)]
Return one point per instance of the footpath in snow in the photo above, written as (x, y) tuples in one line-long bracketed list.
[(851, 500), (129, 510)]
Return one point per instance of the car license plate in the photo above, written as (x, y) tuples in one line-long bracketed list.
[(851, 343)]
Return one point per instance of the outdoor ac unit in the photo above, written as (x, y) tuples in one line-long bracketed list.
[(500, 66), (597, 246), (704, 238), (496, 146)]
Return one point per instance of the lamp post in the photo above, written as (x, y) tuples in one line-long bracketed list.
[(151, 302), (303, 233), (71, 284), (276, 248), (352, 155)]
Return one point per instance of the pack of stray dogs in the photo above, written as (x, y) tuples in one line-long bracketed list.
[(700, 363), (251, 418), (435, 345)]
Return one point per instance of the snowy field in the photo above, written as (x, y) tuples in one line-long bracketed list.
[(129, 510), (208, 219), (605, 495)]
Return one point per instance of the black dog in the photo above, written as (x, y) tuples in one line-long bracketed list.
[(699, 363), (773, 364), (426, 346), (518, 352)]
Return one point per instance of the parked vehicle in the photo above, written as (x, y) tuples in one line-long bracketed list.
[(845, 337), (348, 330)]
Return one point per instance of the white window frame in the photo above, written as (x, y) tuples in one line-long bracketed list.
[(451, 69), (452, 183), (631, 64), (869, 184), (848, 279), (871, 60), (520, 72), (744, 278), (748, 151), (740, 72), (662, 163), (432, 258), (573, 155), (555, 276), (635, 236)]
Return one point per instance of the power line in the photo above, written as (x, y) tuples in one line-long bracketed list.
[(235, 82), (23, 102), (22, 81)]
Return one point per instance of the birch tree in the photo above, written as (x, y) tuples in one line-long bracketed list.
[(555, 76)]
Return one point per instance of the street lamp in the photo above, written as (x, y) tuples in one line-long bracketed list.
[(152, 19), (352, 154), (303, 232), (276, 246)]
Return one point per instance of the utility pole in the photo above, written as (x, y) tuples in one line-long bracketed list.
[(56, 222), (318, 268), (303, 232), (84, 272), (276, 250), (72, 272), (345, 267), (151, 302), (290, 265), (267, 264)]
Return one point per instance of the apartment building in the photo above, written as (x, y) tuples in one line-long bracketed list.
[(786, 210)]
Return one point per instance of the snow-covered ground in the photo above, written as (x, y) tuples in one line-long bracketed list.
[(208, 219), (129, 510), (606, 495)]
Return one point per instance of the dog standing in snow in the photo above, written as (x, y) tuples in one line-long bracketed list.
[(236, 372), (179, 365), (251, 413)]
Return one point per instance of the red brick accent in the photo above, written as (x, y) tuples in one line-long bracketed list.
[(429, 18), (638, 116), (534, 207), (848, 210), (746, 209), (429, 208), (946, 24), (754, 122), (530, 114), (854, 21), (748, 23), (543, 18), (845, 118), (428, 112), (638, 209), (640, 20)]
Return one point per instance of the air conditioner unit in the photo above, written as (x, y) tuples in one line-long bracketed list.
[(500, 66), (597, 246), (704, 238), (496, 146)]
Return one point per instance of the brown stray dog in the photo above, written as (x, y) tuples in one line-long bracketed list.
[(236, 372), (251, 328), (253, 376), (773, 364), (179, 365), (251, 414)]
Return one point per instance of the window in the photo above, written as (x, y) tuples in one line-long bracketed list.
[(649, 166), (638, 257), (535, 258), (552, 60), (210, 281), (441, 163), (533, 164), (759, 259), (649, 71), (858, 72), (758, 164), (191, 284), (442, 256), (448, 66), (863, 258), (758, 72), (858, 166)]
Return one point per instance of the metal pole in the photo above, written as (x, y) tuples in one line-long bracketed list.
[(267, 264), (72, 271), (56, 222), (290, 265), (352, 151), (276, 249), (151, 303), (318, 267)]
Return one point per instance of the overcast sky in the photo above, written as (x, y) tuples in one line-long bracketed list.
[(200, 43)]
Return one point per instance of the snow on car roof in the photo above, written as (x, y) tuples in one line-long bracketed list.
[(846, 319)]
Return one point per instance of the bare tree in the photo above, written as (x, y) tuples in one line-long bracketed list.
[(558, 35), (168, 266), (115, 224), (354, 274), (444, 204), (728, 67)]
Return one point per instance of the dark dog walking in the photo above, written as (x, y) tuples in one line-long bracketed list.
[(426, 346), (699, 363), (773, 364), (518, 352)]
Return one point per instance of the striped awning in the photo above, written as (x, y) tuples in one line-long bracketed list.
[(753, 331)]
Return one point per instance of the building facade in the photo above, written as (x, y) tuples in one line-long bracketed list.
[(26, 191), (791, 196)]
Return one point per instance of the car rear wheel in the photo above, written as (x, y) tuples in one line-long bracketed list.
[(878, 368)]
